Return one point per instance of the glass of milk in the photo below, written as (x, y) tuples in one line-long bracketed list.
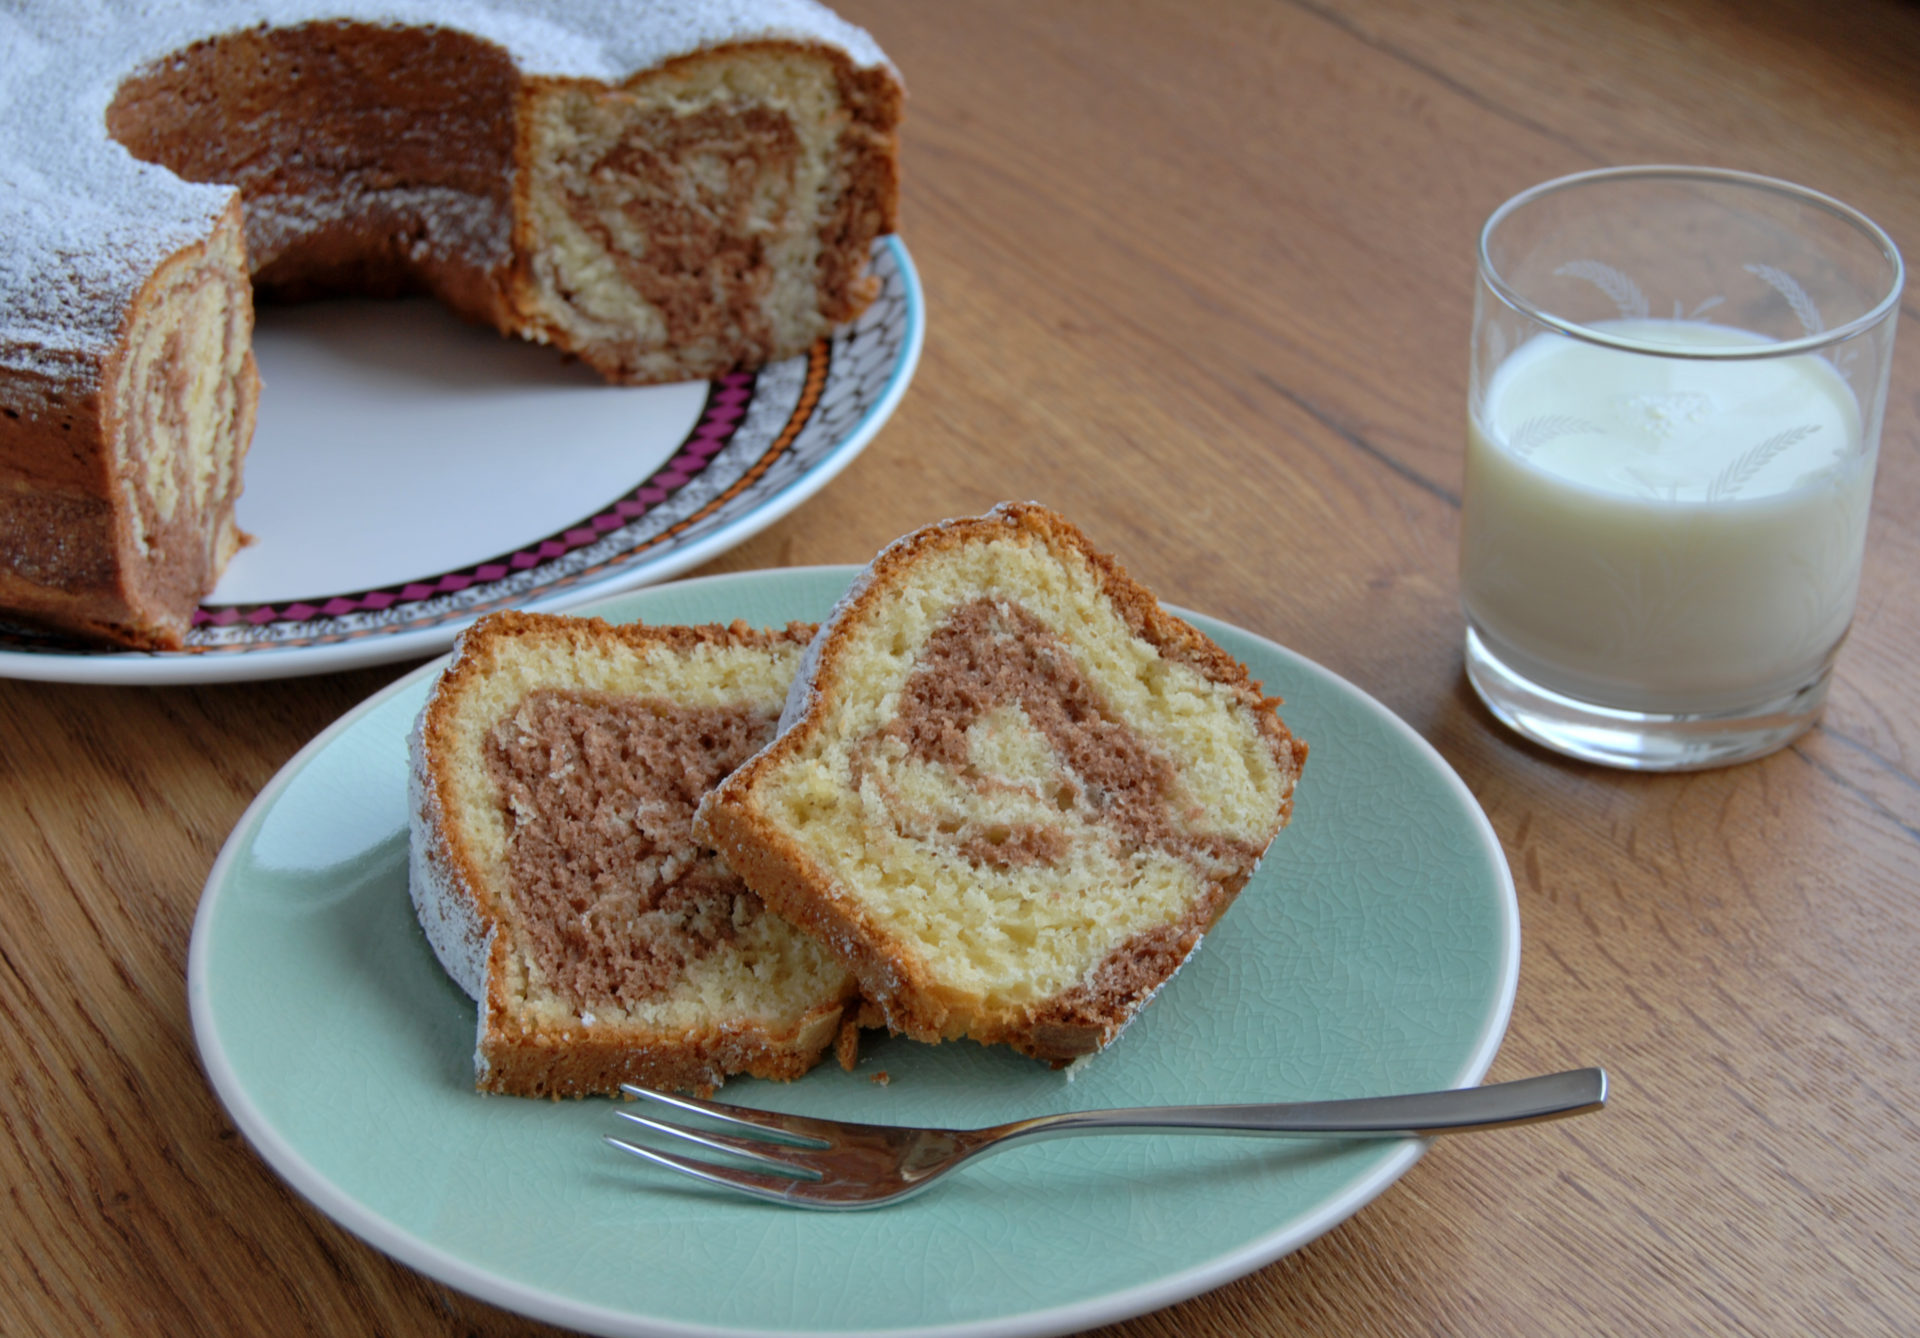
[(1678, 377)]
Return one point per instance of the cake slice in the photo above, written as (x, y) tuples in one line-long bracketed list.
[(555, 770), (1010, 791)]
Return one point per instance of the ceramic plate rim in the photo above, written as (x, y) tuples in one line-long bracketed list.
[(145, 668), (286, 1161)]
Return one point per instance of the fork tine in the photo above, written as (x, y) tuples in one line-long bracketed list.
[(819, 1133), (776, 1188), (753, 1149)]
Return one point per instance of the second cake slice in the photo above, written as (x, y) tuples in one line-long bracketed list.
[(1010, 792)]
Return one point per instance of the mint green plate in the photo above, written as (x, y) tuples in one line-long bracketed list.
[(1375, 951)]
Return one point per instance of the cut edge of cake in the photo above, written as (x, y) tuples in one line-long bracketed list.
[(124, 516), (769, 168)]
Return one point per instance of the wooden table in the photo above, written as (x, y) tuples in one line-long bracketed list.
[(1199, 276)]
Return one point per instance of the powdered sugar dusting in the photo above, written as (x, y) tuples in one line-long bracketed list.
[(448, 911), (86, 223), (456, 223)]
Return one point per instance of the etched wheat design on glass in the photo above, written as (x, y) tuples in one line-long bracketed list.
[(1614, 283), (1739, 472), (1796, 297)]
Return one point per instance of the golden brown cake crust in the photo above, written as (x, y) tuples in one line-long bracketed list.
[(569, 1063), (912, 1000), (520, 1055)]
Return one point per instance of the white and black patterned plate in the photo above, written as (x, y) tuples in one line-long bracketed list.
[(411, 473)]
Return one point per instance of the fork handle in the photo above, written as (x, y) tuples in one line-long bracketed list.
[(1526, 1101)]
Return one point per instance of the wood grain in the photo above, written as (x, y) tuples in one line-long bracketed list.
[(1199, 276)]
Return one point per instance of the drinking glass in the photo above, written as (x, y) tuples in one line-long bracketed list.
[(1677, 382)]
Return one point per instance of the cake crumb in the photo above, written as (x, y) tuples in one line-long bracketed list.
[(881, 1078)]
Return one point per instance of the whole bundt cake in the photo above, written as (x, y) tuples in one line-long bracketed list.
[(666, 189)]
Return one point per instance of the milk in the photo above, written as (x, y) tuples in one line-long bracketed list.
[(1663, 534)]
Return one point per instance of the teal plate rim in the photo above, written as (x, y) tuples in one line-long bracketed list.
[(1377, 949)]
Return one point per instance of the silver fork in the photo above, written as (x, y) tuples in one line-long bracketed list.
[(815, 1163)]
